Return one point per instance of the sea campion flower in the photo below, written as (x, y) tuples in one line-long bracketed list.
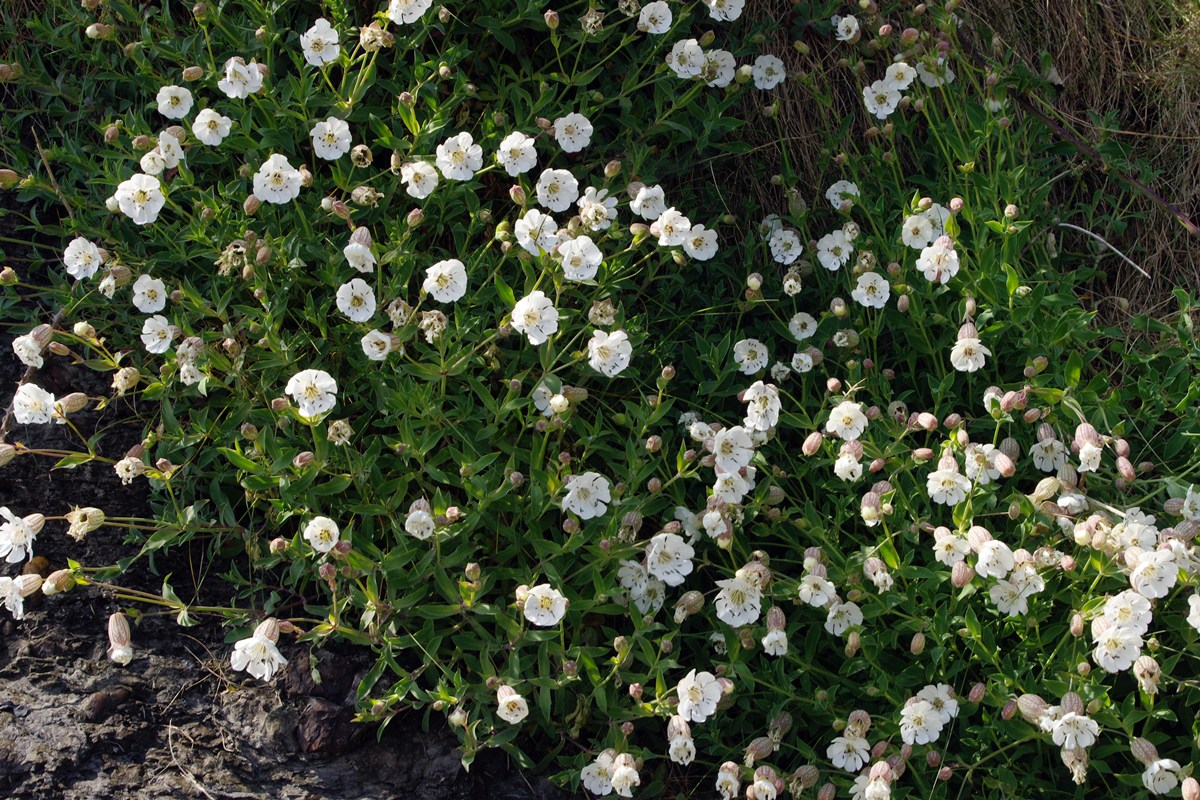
[(403, 12), (33, 405), (768, 72), (738, 603), (140, 198), (609, 353), (573, 132), (314, 391), (581, 258), (669, 558), (241, 80), (322, 534), (847, 421), (544, 605), (510, 706), (120, 647), (587, 495), (557, 189), (446, 281), (536, 232), (698, 696), (149, 294), (259, 654), (751, 356), (174, 102), (211, 128), (17, 535), (597, 776), (459, 158), (320, 44), (331, 139), (535, 316), (277, 181)]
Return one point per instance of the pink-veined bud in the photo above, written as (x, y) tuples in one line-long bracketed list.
[(1072, 703), (828, 792), (922, 454), (977, 693), (1077, 625), (759, 748), (1125, 468), (1190, 788), (120, 648), (944, 774), (1143, 750), (812, 443), (961, 574), (1010, 708), (917, 645)]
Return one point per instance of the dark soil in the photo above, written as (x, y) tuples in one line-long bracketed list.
[(177, 721)]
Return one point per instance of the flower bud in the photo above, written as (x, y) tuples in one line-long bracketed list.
[(961, 574), (1010, 708), (1072, 703), (120, 649), (917, 645), (1190, 788), (828, 792), (551, 17), (251, 205), (853, 643)]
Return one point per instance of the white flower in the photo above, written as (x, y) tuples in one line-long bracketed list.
[(733, 449), (510, 706), (995, 559), (544, 605), (775, 643), (834, 250), (446, 281), (947, 486), (140, 198), (169, 149), (768, 72), (331, 139), (596, 209), (402, 12), (917, 232), (157, 334), (872, 291), (517, 153), (1155, 574), (536, 232), (1089, 457), (939, 261), (1193, 617), (682, 750), (847, 421), (597, 776), (377, 345), (420, 178), (846, 28), (655, 18), (210, 127), (153, 163), (81, 258), (17, 535), (941, 697), (720, 68), (850, 753), (785, 246), (1161, 776), (686, 58), (174, 102), (840, 192), (1008, 598), (573, 132), (750, 355), (587, 495), (1191, 505), (847, 467), (277, 181), (700, 243), (968, 355), (1048, 455), (1072, 731), (28, 350), (609, 353), (1116, 648), (581, 258), (935, 75), (900, 75), (725, 10), (669, 558), (979, 463), (322, 533), (149, 294), (189, 374), (816, 591), (802, 326), (356, 299), (625, 775), (320, 44), (738, 603), (841, 617), (241, 79), (314, 391), (649, 598), (359, 256), (1129, 610), (949, 548), (128, 468), (881, 99), (731, 487), (698, 696), (649, 202), (557, 189), (259, 655), (671, 228), (699, 693), (459, 157), (920, 723), (535, 316)]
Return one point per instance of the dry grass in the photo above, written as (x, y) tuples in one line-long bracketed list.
[(1138, 60)]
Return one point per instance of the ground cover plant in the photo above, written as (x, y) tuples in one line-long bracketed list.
[(462, 346)]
